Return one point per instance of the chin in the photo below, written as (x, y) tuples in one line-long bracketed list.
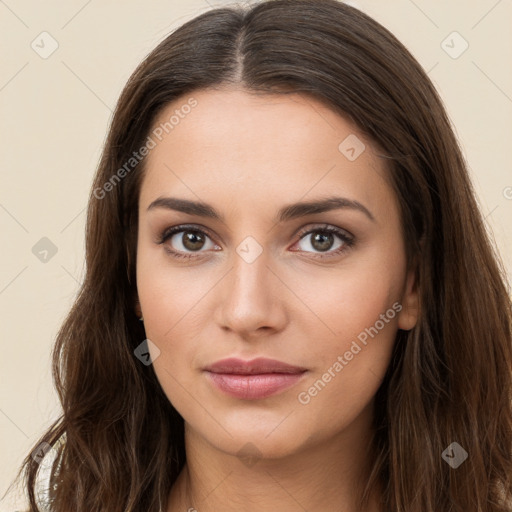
[(269, 435)]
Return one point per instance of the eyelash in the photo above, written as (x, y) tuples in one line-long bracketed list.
[(348, 241)]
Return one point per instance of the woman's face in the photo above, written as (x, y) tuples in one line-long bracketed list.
[(259, 277)]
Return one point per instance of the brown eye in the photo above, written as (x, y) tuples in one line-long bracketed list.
[(192, 240), (325, 239), (322, 241), (183, 241)]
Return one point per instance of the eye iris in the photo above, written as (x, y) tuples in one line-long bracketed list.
[(192, 240), (324, 240)]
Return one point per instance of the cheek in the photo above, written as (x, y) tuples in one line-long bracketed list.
[(170, 322), (167, 323), (349, 367), (347, 300), (171, 300), (170, 296), (358, 308)]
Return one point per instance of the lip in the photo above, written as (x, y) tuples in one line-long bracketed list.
[(255, 379)]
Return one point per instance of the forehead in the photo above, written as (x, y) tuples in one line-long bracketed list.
[(260, 148)]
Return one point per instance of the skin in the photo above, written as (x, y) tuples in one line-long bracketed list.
[(248, 156)]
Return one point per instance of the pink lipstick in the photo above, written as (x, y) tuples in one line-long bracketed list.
[(255, 379)]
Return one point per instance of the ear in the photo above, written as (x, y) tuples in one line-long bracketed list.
[(408, 315)]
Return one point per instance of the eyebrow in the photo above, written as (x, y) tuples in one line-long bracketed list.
[(286, 213)]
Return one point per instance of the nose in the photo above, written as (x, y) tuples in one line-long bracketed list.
[(251, 298)]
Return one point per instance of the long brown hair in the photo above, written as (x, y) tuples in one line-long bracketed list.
[(450, 379)]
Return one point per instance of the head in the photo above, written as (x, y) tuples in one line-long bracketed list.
[(258, 283), (250, 112)]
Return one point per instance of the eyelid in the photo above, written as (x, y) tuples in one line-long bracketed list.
[(199, 227), (172, 230), (323, 226)]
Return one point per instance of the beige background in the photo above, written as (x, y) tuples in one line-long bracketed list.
[(55, 113)]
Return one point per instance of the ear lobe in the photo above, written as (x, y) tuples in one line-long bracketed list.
[(408, 316)]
